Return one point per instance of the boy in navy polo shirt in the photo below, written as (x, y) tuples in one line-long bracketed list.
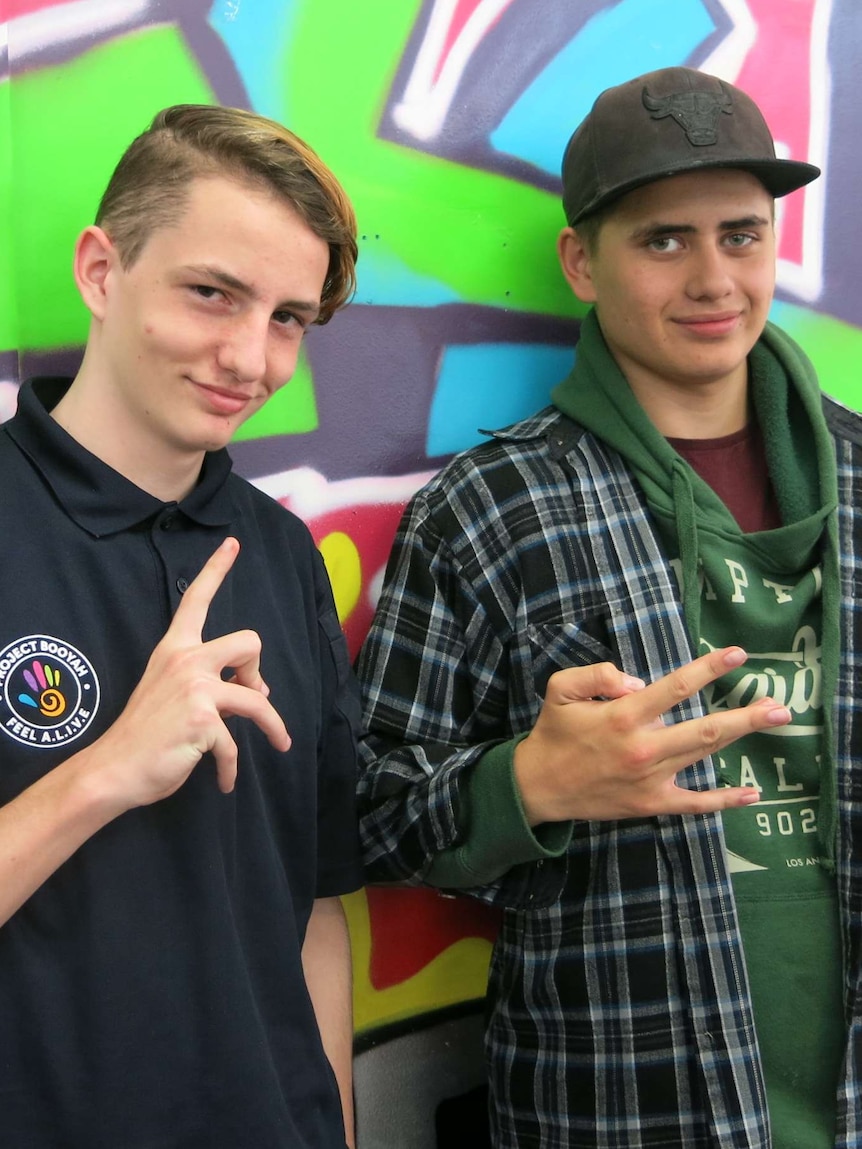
[(178, 721), (556, 720)]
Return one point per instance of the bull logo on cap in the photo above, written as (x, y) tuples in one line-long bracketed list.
[(696, 112)]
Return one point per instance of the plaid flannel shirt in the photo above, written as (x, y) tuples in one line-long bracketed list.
[(618, 1009)]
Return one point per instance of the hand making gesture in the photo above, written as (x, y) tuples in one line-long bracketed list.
[(177, 711), (600, 749)]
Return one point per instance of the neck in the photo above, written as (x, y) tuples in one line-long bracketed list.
[(704, 410), (92, 416)]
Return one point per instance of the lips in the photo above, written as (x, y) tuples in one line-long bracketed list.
[(221, 400), (711, 326)]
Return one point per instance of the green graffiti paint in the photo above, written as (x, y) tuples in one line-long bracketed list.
[(291, 411), (487, 239), (8, 296), (70, 124), (832, 346)]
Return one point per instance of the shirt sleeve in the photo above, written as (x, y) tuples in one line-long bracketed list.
[(438, 739), (339, 864)]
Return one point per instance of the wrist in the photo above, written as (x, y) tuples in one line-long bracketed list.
[(527, 767), (92, 790)]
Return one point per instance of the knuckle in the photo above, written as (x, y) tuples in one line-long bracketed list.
[(637, 758), (199, 710), (621, 726), (711, 736), (680, 686), (562, 683), (252, 640), (175, 661), (641, 755)]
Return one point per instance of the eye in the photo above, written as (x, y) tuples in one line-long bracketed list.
[(287, 319), (205, 291), (739, 239), (663, 243)]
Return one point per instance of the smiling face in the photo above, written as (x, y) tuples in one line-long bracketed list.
[(197, 334), (682, 277)]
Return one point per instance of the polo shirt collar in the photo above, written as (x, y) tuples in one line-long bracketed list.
[(94, 495)]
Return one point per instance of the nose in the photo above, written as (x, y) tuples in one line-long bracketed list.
[(709, 274), (242, 351)]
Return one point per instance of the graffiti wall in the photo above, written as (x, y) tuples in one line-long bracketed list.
[(446, 121)]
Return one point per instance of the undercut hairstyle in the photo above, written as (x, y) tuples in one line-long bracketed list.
[(150, 186), (589, 228)]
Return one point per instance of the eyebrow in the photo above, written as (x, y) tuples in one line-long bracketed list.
[(658, 230), (225, 279)]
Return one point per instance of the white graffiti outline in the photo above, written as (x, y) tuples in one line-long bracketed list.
[(426, 101), (805, 279)]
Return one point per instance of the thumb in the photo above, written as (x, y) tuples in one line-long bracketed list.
[(583, 683)]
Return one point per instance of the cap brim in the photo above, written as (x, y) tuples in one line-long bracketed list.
[(779, 177)]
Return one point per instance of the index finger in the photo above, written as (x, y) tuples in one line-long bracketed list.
[(191, 614), (667, 692)]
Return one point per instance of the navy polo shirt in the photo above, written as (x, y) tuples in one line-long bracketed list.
[(151, 991)]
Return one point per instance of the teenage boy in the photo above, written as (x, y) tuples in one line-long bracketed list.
[(556, 720), (178, 726)]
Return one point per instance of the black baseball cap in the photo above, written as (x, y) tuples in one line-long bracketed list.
[(663, 123)]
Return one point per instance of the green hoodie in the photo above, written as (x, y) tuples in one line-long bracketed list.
[(776, 593)]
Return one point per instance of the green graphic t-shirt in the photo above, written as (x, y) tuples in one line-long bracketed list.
[(786, 901)]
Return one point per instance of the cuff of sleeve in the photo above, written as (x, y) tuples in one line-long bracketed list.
[(493, 827)]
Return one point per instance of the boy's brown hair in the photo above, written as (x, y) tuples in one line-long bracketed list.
[(150, 185)]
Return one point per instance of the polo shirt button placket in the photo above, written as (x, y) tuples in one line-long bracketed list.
[(168, 519)]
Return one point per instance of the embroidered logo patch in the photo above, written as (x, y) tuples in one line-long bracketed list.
[(49, 692), (697, 113)]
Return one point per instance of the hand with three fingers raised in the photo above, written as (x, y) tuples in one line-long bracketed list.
[(600, 749)]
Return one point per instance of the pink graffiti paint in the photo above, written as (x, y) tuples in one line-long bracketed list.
[(783, 47), (482, 12), (10, 9)]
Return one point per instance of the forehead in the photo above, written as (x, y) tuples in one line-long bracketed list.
[(222, 213), (245, 231), (715, 193)]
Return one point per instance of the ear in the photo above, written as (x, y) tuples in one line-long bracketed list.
[(95, 259), (576, 264)]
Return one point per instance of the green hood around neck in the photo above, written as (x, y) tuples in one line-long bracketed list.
[(786, 398)]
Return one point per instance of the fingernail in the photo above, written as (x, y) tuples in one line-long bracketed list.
[(750, 799), (633, 683), (779, 716), (735, 656)]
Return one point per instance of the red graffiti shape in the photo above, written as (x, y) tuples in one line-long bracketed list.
[(372, 529), (409, 928)]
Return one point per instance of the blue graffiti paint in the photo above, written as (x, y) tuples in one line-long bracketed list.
[(629, 38), (255, 34), (490, 385), (383, 279)]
